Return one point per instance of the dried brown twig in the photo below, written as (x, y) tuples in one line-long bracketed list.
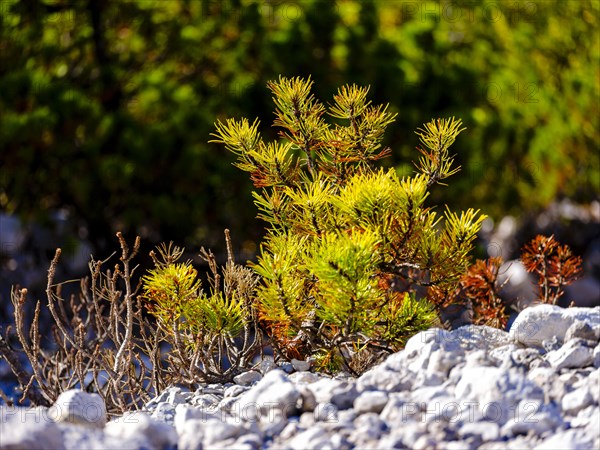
[(102, 341)]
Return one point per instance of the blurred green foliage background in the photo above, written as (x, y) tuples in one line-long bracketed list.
[(106, 106)]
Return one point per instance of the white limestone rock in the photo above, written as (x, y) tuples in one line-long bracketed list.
[(234, 391), (399, 409), (582, 330), (367, 429), (314, 438), (79, 407), (402, 435), (544, 322), (190, 434), (495, 391), (370, 402), (384, 379), (485, 431), (326, 412), (28, 429), (139, 429), (216, 431), (164, 412), (187, 413), (574, 354), (273, 392), (577, 400), (266, 365), (434, 351), (247, 378), (300, 366), (533, 417), (568, 440), (337, 392), (480, 337), (304, 377), (77, 437)]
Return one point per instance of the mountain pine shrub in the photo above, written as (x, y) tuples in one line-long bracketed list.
[(348, 243)]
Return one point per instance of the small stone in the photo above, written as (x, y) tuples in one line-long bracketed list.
[(581, 330), (577, 400), (573, 439), (588, 417), (273, 424), (205, 400), (307, 419), (596, 356), (344, 396), (179, 396), (340, 393), (522, 358), (139, 427), (274, 392), (173, 395), (346, 417), (228, 404), (480, 337), (483, 357), (391, 441), (191, 434), (384, 379), (266, 365), (537, 323), (308, 400), (234, 391), (289, 431), (370, 402), (215, 389), (286, 367), (326, 412), (315, 437), (486, 431), (425, 442), (551, 344), (251, 441), (301, 366), (79, 407), (438, 355), (323, 389), (28, 429), (247, 378), (164, 412), (495, 391), (533, 417), (458, 445), (571, 355), (216, 431), (399, 410), (304, 377), (427, 394), (442, 410), (186, 413), (543, 376), (367, 427)]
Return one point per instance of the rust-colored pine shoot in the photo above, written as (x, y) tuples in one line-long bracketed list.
[(481, 286), (554, 264)]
